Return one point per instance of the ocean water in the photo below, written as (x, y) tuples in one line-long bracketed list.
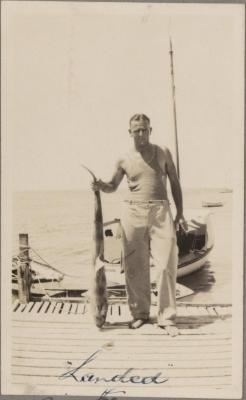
[(59, 225)]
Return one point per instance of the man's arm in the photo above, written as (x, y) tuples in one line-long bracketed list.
[(176, 190), (112, 185)]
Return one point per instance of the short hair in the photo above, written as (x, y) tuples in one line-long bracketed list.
[(140, 118)]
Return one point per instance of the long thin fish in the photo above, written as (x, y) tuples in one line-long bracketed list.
[(98, 287)]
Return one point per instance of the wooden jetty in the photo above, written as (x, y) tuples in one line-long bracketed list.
[(53, 336), (50, 338)]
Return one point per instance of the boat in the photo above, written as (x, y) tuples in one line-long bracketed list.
[(226, 190), (212, 204), (194, 246)]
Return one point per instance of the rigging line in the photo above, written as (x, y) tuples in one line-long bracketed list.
[(169, 27), (46, 264), (21, 252), (56, 270), (174, 107), (49, 267), (43, 288)]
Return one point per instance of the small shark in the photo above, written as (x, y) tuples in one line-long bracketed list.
[(98, 284)]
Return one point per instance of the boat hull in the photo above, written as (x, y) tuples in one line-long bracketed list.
[(193, 265), (212, 204)]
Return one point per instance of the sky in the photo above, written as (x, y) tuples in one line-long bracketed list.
[(76, 72)]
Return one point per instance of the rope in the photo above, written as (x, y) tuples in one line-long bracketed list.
[(46, 264), (44, 290), (48, 267), (114, 221), (18, 259)]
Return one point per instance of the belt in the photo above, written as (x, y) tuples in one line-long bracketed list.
[(147, 201)]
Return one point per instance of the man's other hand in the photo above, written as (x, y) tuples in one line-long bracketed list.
[(181, 222)]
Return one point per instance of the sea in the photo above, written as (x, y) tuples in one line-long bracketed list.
[(59, 227)]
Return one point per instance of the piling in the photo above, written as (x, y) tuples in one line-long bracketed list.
[(23, 270)]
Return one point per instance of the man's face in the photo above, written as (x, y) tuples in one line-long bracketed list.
[(140, 131)]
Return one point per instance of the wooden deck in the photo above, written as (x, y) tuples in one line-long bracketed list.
[(50, 338)]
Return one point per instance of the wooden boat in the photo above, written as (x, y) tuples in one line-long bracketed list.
[(226, 190), (212, 204), (194, 246)]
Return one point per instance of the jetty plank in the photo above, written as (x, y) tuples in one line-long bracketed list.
[(21, 308), (52, 371), (204, 390), (73, 309), (75, 348), (50, 355), (81, 323), (192, 311), (106, 360), (58, 308), (49, 316), (52, 307), (174, 381), (29, 307), (202, 310), (223, 311), (183, 311), (66, 308), (125, 314), (15, 304), (128, 344), (36, 307), (50, 336), (31, 331), (26, 337), (85, 325), (45, 307), (211, 311), (80, 309)]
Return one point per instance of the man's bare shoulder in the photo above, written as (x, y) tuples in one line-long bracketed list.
[(164, 151), (164, 155), (120, 163)]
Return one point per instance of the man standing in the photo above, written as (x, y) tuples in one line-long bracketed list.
[(147, 225)]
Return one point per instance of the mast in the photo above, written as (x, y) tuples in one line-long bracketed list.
[(174, 110)]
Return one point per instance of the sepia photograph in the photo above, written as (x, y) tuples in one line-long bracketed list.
[(122, 199)]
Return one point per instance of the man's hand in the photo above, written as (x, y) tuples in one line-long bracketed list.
[(181, 222), (97, 185)]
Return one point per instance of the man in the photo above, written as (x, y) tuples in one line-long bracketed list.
[(147, 224)]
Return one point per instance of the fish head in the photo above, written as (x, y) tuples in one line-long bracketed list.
[(100, 315)]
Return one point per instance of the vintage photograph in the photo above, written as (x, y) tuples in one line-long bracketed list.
[(122, 199)]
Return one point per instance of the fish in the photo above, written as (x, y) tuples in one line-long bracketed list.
[(98, 282)]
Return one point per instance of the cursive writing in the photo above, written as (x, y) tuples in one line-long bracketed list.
[(110, 391), (104, 395), (127, 377)]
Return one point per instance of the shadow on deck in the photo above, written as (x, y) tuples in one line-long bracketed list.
[(200, 281)]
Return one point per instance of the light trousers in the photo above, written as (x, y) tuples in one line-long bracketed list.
[(148, 230)]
